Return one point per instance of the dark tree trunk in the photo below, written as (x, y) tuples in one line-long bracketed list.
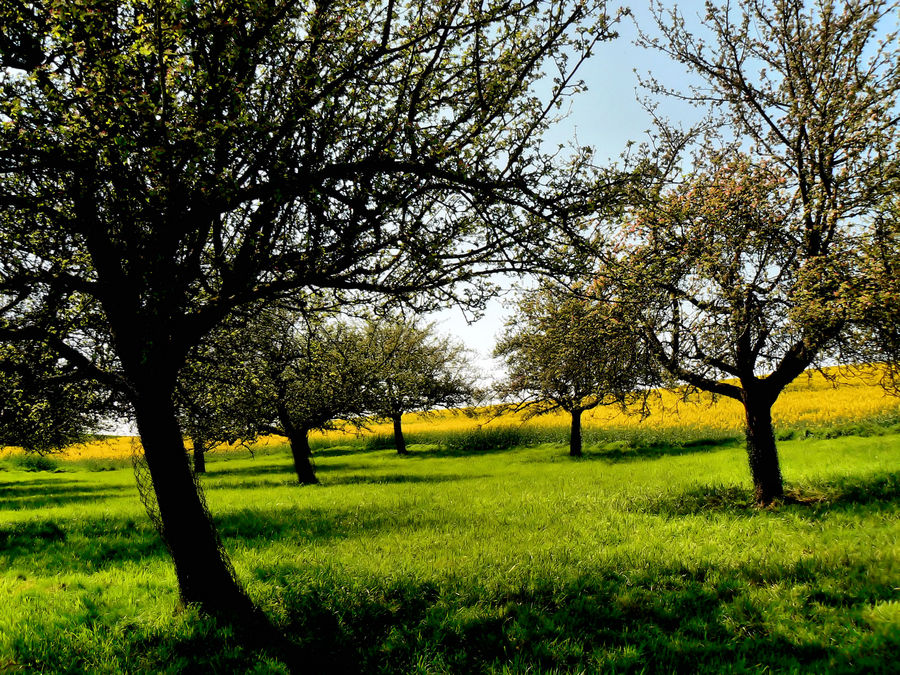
[(299, 440), (762, 452), (199, 455), (399, 441), (575, 435), (205, 575)]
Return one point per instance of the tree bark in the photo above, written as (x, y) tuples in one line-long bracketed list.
[(204, 572), (575, 435), (399, 441), (199, 455), (762, 452), (299, 440)]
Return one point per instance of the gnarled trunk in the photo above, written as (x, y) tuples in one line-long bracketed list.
[(761, 450), (575, 435), (299, 440), (205, 575), (399, 441)]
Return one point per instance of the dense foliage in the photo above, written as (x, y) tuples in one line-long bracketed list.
[(414, 370), (571, 352), (45, 407)]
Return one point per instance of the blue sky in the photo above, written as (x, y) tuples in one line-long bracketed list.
[(606, 117)]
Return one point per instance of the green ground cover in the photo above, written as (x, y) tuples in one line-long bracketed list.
[(460, 561)]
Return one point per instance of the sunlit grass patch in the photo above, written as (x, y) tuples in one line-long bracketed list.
[(650, 559)]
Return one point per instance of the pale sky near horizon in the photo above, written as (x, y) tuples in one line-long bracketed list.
[(606, 116)]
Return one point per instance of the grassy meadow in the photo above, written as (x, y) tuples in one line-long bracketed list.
[(483, 551)]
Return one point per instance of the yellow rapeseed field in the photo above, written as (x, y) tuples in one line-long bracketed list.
[(811, 401)]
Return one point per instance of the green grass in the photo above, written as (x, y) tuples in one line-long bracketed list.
[(465, 559)]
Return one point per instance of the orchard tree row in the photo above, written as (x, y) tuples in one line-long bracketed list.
[(167, 166), (276, 372)]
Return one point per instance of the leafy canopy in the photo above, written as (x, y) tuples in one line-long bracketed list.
[(572, 351)]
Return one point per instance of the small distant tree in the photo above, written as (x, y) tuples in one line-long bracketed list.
[(415, 370), (875, 300), (312, 373), (571, 351), (272, 371), (219, 397)]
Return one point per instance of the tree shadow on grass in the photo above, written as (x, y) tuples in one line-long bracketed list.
[(285, 468), (344, 450), (85, 543), (41, 493), (662, 620), (290, 525), (436, 451), (667, 621), (873, 493), (330, 474), (389, 479), (622, 451), (81, 545)]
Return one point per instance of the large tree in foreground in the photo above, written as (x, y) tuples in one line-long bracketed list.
[(164, 162), (573, 351), (756, 259), (414, 370)]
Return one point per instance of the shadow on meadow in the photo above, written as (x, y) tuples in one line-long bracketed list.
[(391, 479), (344, 450), (670, 620), (44, 492), (290, 525), (662, 620), (279, 469), (80, 545), (876, 493), (624, 451)]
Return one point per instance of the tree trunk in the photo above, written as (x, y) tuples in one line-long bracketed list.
[(199, 455), (205, 575), (575, 435), (299, 440), (399, 441), (761, 451)]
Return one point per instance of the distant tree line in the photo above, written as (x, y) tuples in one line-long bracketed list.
[(279, 372)]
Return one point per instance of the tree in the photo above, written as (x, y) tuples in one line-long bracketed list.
[(874, 299), (44, 408), (311, 373), (272, 371), (162, 163), (414, 370), (755, 258), (572, 350), (219, 397)]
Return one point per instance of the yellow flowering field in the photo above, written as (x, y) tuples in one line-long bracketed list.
[(811, 401)]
